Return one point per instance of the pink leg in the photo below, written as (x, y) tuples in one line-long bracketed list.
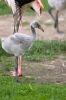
[(19, 65), (20, 27), (19, 58), (19, 73)]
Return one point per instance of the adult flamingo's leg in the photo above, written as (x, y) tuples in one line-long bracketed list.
[(18, 26), (20, 66), (19, 72), (20, 57)]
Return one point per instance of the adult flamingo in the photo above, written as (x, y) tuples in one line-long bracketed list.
[(58, 5), (18, 6)]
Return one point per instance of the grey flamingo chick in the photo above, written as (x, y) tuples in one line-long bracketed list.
[(18, 43), (58, 5)]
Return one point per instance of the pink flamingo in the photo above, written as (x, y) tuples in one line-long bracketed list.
[(18, 6)]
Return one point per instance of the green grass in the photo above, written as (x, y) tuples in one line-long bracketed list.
[(45, 49), (9, 90), (4, 9), (48, 24), (25, 23), (41, 50), (46, 5)]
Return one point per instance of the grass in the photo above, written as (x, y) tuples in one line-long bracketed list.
[(4, 9), (25, 23), (9, 90), (46, 5), (48, 24), (45, 49)]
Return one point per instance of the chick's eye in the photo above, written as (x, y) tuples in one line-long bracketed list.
[(38, 25)]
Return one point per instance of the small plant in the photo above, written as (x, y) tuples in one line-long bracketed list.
[(25, 23), (48, 24)]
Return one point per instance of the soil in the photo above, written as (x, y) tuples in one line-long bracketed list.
[(53, 71)]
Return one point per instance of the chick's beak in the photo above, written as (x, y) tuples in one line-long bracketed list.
[(40, 27)]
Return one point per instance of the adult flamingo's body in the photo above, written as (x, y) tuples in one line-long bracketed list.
[(18, 6)]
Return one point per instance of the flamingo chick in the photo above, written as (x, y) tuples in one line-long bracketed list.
[(58, 5), (18, 43)]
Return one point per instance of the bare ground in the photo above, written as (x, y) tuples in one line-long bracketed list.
[(45, 71)]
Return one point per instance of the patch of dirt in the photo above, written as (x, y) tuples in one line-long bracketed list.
[(53, 71), (45, 71)]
